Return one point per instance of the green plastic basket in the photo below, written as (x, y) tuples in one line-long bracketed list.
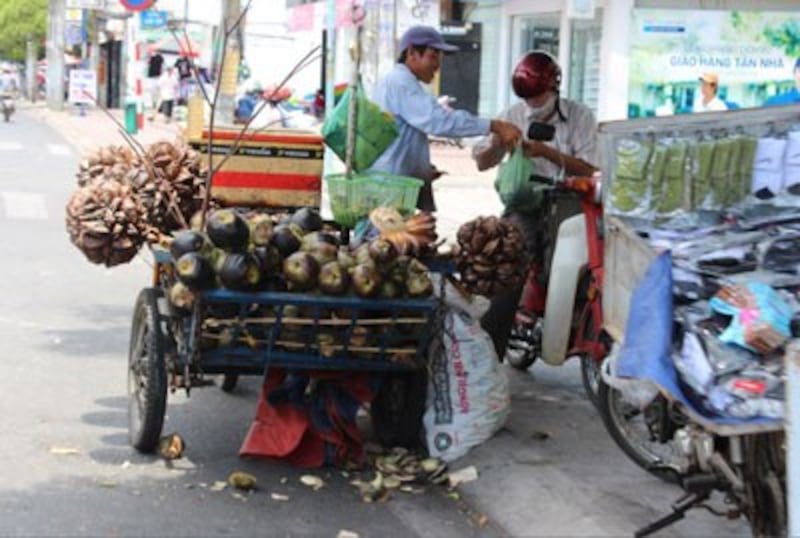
[(353, 199)]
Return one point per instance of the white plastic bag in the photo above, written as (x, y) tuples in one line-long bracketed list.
[(468, 392), (638, 392)]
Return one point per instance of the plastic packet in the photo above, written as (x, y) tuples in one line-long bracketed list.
[(730, 195), (746, 160), (760, 317), (655, 171), (725, 359), (719, 172), (692, 364), (629, 189), (702, 155), (668, 189)]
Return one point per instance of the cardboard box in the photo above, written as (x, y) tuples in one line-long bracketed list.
[(279, 168)]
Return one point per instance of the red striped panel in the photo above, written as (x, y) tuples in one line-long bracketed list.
[(248, 180), (251, 137)]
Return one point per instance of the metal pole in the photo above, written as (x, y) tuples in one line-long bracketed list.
[(55, 55), (329, 61), (30, 70), (352, 112), (793, 436)]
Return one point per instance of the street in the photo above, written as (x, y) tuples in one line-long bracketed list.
[(67, 468)]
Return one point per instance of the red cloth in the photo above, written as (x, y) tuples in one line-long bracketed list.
[(314, 432)]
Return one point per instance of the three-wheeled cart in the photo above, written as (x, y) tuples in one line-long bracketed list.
[(233, 333)]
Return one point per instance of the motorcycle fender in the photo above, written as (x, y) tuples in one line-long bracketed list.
[(570, 256)]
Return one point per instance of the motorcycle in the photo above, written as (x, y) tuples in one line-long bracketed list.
[(660, 426), (7, 105), (561, 311)]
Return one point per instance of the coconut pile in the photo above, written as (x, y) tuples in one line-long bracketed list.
[(124, 200)]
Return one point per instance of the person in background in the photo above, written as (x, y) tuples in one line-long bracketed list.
[(8, 81), (155, 67), (184, 66), (572, 151), (709, 100), (417, 114), (168, 89), (792, 97)]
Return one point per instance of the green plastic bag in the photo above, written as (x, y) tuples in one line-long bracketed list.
[(375, 130), (629, 188), (513, 183)]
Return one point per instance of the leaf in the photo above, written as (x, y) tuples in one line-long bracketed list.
[(314, 482)]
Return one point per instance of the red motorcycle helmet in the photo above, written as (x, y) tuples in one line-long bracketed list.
[(536, 73)]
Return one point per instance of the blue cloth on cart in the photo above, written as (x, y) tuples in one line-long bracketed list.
[(647, 350)]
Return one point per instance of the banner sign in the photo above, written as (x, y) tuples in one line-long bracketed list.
[(752, 53), (81, 83), (152, 19)]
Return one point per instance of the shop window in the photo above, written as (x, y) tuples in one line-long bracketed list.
[(584, 65)]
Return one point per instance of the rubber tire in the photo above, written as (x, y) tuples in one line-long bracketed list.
[(605, 396), (146, 415), (589, 368), (397, 409), (229, 382), (522, 362)]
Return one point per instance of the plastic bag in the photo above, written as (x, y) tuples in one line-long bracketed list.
[(702, 156), (375, 130), (469, 398), (629, 188), (760, 316), (668, 187), (513, 183)]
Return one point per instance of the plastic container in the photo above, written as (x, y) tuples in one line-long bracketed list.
[(352, 199), (130, 117)]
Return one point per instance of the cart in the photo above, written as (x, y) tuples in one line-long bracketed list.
[(752, 470), (233, 333)]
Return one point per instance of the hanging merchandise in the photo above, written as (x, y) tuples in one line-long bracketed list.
[(669, 187), (629, 188), (791, 165), (702, 156), (375, 130), (768, 166)]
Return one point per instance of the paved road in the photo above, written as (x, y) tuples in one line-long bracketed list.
[(64, 328)]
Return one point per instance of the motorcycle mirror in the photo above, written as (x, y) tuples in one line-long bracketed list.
[(541, 132)]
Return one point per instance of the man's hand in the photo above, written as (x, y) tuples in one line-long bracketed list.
[(532, 148), (508, 133)]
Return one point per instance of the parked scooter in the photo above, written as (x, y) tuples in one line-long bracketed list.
[(745, 463), (7, 105), (561, 312)]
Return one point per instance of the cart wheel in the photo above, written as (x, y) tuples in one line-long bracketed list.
[(398, 407), (147, 374), (229, 382)]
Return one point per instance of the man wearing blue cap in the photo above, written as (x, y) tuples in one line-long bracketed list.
[(792, 97), (418, 114)]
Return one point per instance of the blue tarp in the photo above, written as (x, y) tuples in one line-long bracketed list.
[(647, 350)]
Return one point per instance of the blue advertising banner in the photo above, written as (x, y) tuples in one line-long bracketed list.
[(152, 19)]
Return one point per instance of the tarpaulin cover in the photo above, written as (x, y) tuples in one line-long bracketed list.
[(646, 351), (309, 419)]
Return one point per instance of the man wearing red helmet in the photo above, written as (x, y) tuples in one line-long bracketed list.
[(571, 152), (418, 114)]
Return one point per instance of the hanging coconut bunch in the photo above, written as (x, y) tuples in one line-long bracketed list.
[(106, 221), (109, 162), (491, 255), (170, 181), (409, 236)]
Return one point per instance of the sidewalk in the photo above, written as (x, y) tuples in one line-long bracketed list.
[(94, 128)]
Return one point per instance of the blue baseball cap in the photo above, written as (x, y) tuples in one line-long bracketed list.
[(427, 36)]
